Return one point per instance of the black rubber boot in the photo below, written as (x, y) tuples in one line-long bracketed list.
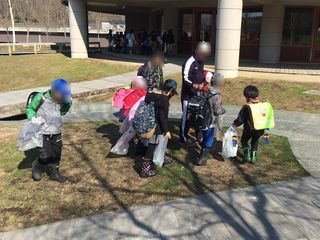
[(37, 170), (147, 170), (204, 157), (53, 173)]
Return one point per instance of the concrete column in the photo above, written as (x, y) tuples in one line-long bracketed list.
[(78, 28), (171, 21), (229, 17), (271, 33)]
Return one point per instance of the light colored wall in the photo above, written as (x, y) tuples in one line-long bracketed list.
[(271, 33), (229, 17), (78, 28)]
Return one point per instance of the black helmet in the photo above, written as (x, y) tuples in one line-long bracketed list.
[(170, 84)]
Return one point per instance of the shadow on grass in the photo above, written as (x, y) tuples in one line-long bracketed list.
[(208, 209), (227, 213)]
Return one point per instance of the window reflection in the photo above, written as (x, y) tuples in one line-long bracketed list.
[(187, 26), (298, 26), (251, 26)]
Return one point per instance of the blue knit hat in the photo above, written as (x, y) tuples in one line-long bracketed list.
[(62, 87)]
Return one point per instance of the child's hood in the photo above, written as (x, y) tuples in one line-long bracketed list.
[(213, 90)]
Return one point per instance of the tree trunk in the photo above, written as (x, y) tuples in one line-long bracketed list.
[(27, 35), (12, 24)]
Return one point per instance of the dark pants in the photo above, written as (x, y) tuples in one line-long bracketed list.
[(150, 151), (50, 153), (254, 135), (184, 124)]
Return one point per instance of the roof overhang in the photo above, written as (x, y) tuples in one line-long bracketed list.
[(124, 6)]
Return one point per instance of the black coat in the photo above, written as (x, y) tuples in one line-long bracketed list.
[(161, 110)]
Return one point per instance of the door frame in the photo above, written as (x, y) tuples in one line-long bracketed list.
[(191, 44), (314, 45), (196, 12)]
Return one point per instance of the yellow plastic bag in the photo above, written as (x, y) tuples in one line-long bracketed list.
[(262, 115)]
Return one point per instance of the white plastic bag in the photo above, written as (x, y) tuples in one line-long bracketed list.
[(230, 143), (160, 151), (31, 135), (122, 145)]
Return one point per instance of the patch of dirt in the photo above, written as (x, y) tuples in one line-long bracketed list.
[(9, 132)]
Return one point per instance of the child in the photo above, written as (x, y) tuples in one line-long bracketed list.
[(161, 100), (251, 93), (50, 106), (214, 97), (134, 94)]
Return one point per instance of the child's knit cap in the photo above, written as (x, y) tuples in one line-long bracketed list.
[(217, 78)]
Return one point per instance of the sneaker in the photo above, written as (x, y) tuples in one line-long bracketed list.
[(204, 157), (187, 143), (167, 160)]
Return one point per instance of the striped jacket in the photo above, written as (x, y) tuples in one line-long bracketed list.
[(192, 73)]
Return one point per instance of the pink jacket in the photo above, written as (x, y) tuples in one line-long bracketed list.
[(134, 108)]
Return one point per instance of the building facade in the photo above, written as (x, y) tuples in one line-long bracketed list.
[(262, 30)]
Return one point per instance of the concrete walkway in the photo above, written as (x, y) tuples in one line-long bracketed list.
[(13, 102), (281, 210), (247, 66)]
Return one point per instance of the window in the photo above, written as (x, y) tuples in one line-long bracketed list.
[(251, 25), (204, 27), (298, 26), (187, 26)]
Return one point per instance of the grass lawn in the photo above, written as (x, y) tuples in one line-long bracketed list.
[(28, 71), (282, 94), (100, 182)]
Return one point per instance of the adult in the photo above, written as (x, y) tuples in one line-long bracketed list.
[(170, 41), (131, 40), (152, 71), (110, 40), (192, 83)]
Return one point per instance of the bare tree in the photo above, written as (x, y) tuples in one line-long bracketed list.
[(61, 18), (26, 9), (12, 24)]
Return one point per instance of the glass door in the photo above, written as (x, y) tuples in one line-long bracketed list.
[(316, 41), (204, 27), (185, 31)]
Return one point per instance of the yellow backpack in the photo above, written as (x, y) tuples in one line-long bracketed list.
[(262, 115)]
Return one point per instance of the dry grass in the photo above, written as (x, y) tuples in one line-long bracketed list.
[(282, 94), (29, 71), (100, 182)]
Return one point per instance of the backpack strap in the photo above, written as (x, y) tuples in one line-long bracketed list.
[(41, 101)]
